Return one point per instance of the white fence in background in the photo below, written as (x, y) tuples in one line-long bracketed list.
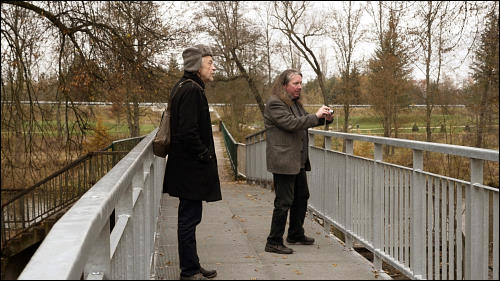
[(159, 104)]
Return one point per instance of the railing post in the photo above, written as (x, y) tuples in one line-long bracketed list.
[(148, 214), (311, 139), (138, 223), (98, 266), (124, 208), (326, 170), (377, 212), (417, 247), (22, 213), (349, 149), (476, 221), (253, 160)]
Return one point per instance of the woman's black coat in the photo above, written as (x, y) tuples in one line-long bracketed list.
[(191, 171)]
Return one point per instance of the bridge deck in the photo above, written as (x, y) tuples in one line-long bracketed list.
[(232, 236)]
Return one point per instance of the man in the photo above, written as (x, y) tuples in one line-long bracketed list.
[(191, 171), (286, 123)]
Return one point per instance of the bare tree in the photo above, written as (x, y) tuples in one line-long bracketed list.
[(439, 31), (238, 41), (300, 28), (31, 143), (289, 54), (266, 21), (346, 35), (97, 48)]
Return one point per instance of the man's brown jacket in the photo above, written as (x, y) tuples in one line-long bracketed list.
[(284, 134)]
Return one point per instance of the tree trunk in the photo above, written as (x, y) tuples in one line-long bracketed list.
[(428, 90), (482, 116), (346, 117), (250, 81)]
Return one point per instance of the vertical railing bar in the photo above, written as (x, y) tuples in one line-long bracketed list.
[(386, 210), (66, 188), (451, 229), (78, 175), (476, 267), (400, 216), (336, 169), (486, 228), (444, 231), (355, 194), (84, 182), (495, 236), (377, 198), (358, 197), (430, 222), (102, 165), (393, 212), (406, 186), (14, 223), (40, 201), (390, 205), (459, 234), (61, 191), (366, 202), (436, 228), (33, 206), (359, 189)]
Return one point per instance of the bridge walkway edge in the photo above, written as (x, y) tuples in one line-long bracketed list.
[(232, 236)]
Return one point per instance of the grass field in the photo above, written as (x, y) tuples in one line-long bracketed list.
[(104, 121), (365, 121)]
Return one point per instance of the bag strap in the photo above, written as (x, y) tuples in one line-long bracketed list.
[(179, 86)]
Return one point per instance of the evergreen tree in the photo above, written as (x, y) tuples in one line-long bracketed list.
[(485, 67), (388, 73)]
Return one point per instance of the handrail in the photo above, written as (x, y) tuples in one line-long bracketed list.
[(66, 168), (231, 147), (28, 207), (80, 243), (257, 133), (458, 150), (51, 176), (415, 220)]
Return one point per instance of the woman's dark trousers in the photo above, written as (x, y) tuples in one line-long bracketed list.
[(189, 217), (292, 193)]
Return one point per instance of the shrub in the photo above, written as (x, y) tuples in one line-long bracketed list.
[(414, 128)]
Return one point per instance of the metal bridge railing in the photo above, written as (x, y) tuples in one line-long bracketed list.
[(26, 208), (83, 245), (426, 225), (232, 149)]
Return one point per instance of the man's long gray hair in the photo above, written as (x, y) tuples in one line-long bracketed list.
[(283, 80)]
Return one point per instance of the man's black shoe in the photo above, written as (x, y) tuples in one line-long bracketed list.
[(208, 273), (304, 240), (280, 249)]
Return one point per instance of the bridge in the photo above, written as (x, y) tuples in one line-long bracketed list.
[(425, 225)]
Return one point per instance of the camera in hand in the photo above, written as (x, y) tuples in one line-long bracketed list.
[(331, 111)]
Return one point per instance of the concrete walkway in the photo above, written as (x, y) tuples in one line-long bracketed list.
[(232, 236)]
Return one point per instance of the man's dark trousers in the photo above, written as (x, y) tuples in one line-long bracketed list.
[(292, 193), (189, 216)]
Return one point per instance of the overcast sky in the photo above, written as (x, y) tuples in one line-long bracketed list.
[(454, 67)]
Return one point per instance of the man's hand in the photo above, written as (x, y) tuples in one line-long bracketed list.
[(324, 112)]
